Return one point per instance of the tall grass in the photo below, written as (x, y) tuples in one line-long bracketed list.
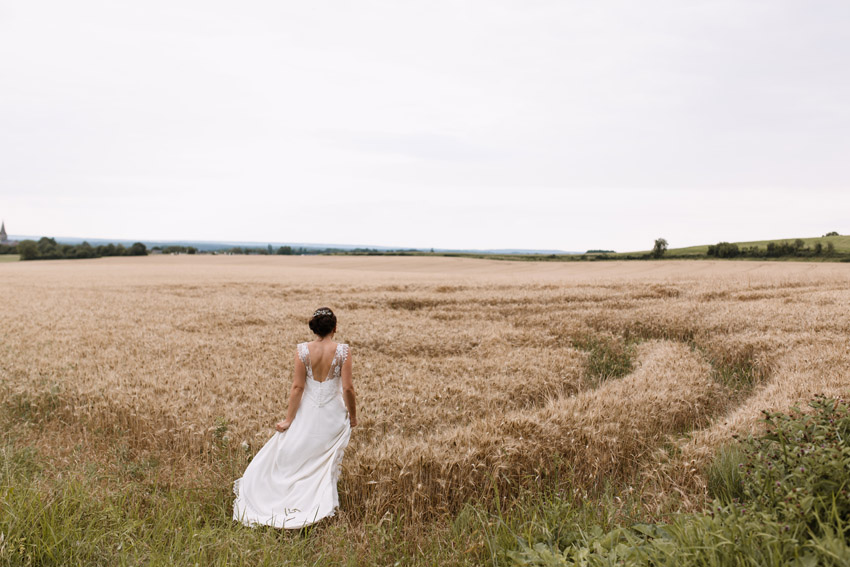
[(724, 475), (82, 519)]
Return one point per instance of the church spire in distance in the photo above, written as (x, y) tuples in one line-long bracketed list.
[(3, 237)]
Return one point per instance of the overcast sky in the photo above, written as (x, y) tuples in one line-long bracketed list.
[(464, 124)]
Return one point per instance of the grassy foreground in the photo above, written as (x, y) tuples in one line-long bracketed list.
[(779, 499)]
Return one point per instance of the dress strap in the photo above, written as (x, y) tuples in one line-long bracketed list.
[(343, 353), (304, 355)]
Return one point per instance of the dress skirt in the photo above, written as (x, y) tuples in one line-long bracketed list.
[(292, 481)]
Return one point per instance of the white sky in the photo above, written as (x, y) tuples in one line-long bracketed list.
[(462, 124)]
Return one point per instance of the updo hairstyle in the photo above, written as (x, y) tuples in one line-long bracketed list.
[(323, 321)]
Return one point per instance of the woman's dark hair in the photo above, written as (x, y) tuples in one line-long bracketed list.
[(323, 321)]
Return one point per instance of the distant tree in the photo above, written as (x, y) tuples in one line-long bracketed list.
[(191, 250), (830, 249), (28, 249), (137, 249), (833, 233), (799, 244), (284, 250), (48, 248), (659, 248), (818, 248), (84, 250), (773, 250)]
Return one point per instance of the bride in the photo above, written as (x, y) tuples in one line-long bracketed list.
[(291, 482)]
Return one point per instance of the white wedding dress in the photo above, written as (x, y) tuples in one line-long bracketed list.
[(291, 482)]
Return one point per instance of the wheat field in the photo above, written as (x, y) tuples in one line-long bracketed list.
[(472, 376)]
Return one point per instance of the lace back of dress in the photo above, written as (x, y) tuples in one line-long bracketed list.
[(304, 355), (339, 359), (335, 371)]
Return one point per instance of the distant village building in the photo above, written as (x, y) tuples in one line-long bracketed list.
[(4, 239)]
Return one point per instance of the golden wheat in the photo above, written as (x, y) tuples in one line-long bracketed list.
[(472, 375)]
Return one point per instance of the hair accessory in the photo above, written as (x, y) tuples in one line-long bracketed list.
[(322, 311)]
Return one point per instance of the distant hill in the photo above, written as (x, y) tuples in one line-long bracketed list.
[(841, 243)]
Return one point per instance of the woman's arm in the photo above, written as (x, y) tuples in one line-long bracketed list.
[(298, 382), (348, 390)]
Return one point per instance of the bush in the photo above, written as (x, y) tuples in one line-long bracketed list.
[(800, 468)]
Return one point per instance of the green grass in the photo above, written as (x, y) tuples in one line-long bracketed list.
[(9, 258), (608, 357)]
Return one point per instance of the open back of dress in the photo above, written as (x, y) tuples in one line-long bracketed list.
[(291, 482)]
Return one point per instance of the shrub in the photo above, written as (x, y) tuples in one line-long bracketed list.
[(800, 467)]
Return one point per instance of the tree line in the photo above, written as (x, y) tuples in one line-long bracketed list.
[(176, 249), (266, 251), (797, 249), (48, 249)]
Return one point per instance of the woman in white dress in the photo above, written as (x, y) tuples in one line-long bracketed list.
[(291, 482)]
